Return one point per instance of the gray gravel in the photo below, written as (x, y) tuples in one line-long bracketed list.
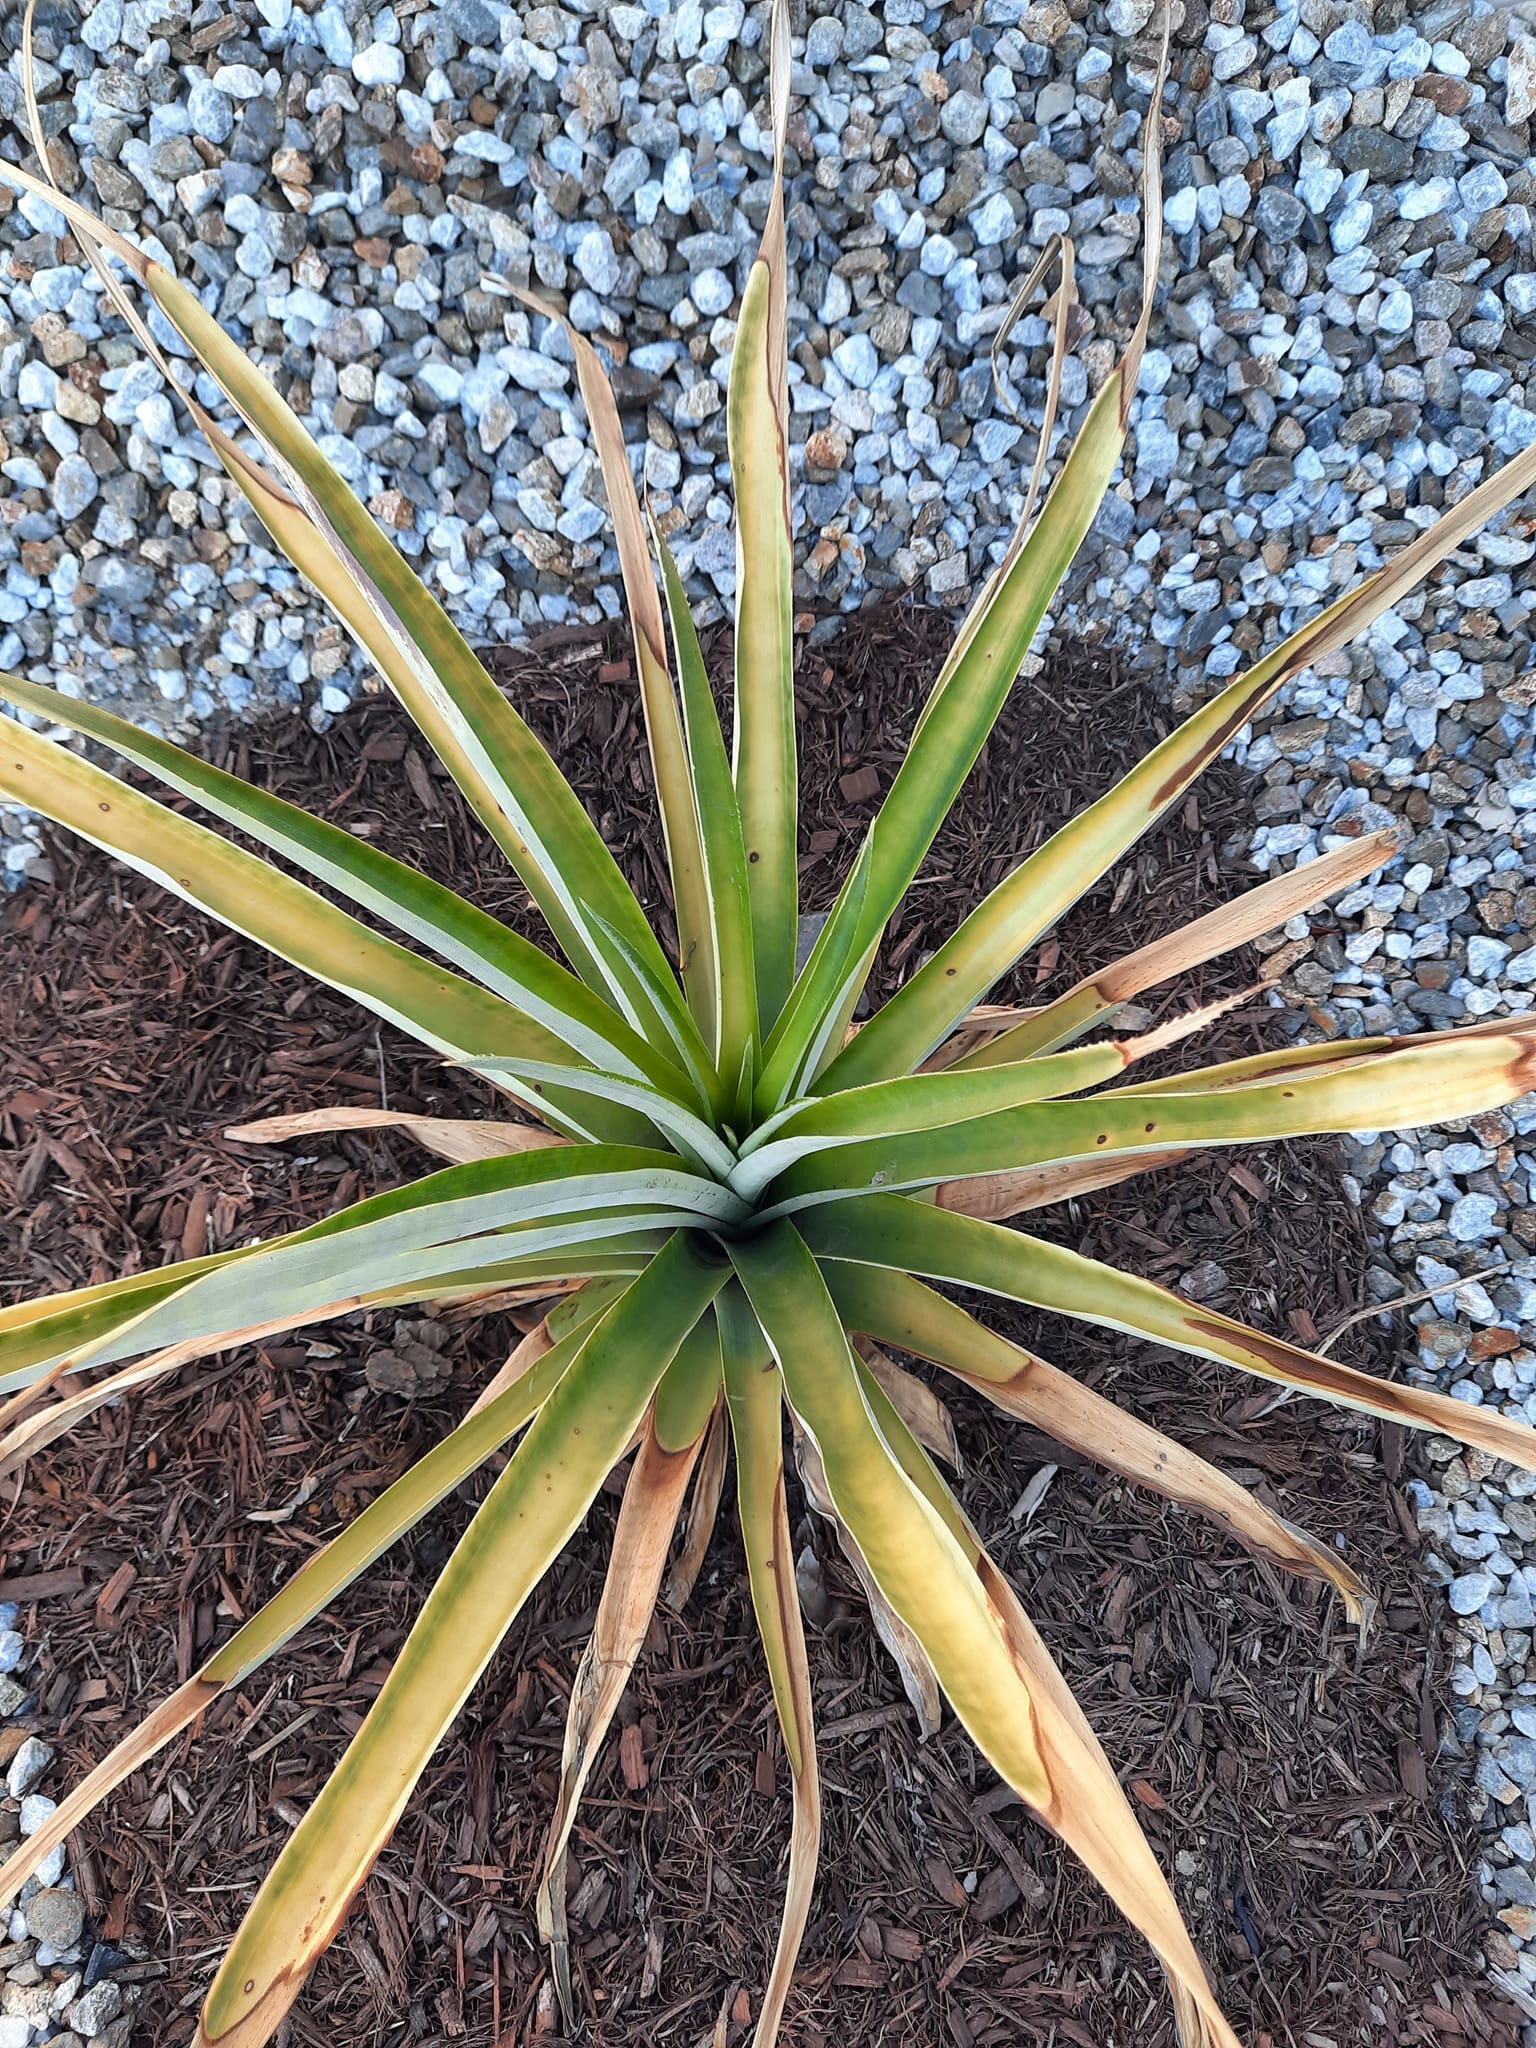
[(1342, 351), (57, 1981)]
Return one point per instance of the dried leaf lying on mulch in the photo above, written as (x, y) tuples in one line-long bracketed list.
[(1296, 1795)]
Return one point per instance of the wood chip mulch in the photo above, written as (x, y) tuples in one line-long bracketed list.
[(1291, 1786)]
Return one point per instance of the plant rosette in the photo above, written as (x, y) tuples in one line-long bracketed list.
[(732, 1203)]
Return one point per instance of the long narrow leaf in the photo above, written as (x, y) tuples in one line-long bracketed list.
[(35, 1334), (477, 1214), (1030, 900), (424, 910), (959, 718), (910, 1554), (314, 1282), (552, 1259), (653, 1499), (440, 1008), (918, 1102), (974, 683), (505, 773), (680, 820), (1414, 1081), (457, 1139), (1011, 1192), (1331, 1056), (919, 1680), (725, 850), (896, 1309), (755, 1393), (1235, 924), (312, 1589), (696, 1140), (937, 1578), (757, 421), (534, 1507), (1085, 1806), (485, 1289), (889, 1232)]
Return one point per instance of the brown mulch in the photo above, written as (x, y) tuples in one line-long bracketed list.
[(1290, 1786)]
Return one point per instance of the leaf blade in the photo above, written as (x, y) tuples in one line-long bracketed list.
[(441, 1008), (312, 1588), (757, 432), (725, 851), (424, 910), (1412, 1081), (535, 1505), (754, 1397), (889, 1232), (938, 1578), (907, 1550), (653, 1499), (918, 1102), (1085, 1806), (675, 791), (485, 1212), (896, 1309), (1028, 901), (990, 647), (1233, 924)]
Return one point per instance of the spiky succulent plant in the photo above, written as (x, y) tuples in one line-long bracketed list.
[(730, 1198)]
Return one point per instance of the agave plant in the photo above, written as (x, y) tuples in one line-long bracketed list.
[(730, 1199)]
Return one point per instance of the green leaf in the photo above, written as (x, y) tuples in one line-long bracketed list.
[(1034, 1715), (311, 1589), (961, 712), (725, 852), (754, 1391), (34, 1335), (1331, 1055), (506, 775), (920, 1102), (494, 955), (579, 1435), (895, 1309), (912, 1554), (1233, 924), (798, 1050), (889, 1231), (291, 920), (990, 647), (1030, 900), (463, 1219), (938, 1579), (757, 423), (1414, 1080), (696, 1140), (680, 820)]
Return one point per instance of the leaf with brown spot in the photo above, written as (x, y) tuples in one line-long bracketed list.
[(905, 1313)]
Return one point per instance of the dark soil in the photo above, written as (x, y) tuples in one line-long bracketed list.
[(1292, 1788)]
